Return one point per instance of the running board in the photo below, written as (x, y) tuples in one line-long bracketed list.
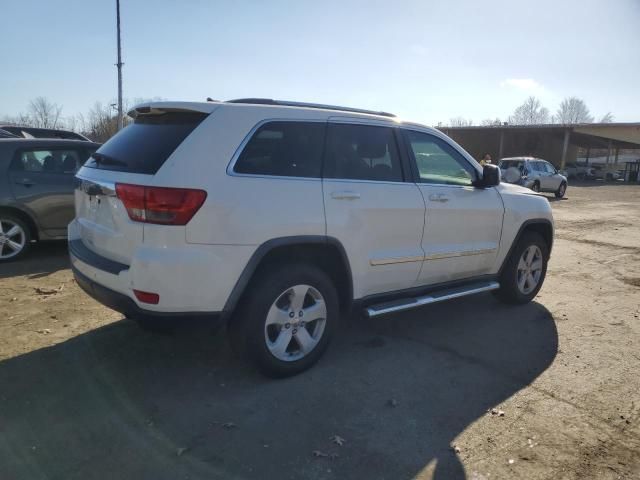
[(437, 296)]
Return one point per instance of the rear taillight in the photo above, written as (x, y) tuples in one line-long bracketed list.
[(161, 205)]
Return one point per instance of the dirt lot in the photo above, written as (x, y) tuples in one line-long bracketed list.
[(85, 394)]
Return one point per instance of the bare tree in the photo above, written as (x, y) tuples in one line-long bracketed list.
[(607, 118), (43, 113), (100, 123), (531, 112), (19, 119), (573, 110), (460, 122), (488, 122)]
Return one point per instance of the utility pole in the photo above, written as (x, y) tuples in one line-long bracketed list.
[(119, 65)]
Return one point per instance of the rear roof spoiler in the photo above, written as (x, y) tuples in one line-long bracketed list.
[(158, 108)]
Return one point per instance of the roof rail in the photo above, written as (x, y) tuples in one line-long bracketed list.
[(285, 103)]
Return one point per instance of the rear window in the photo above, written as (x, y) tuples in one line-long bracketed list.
[(144, 145)]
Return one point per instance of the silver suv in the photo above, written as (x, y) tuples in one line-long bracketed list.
[(534, 173)]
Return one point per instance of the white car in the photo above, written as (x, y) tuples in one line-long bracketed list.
[(606, 173), (280, 217)]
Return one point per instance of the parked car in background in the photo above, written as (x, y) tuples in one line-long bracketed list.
[(607, 173), (280, 216), (579, 171), (33, 132), (36, 190), (534, 173)]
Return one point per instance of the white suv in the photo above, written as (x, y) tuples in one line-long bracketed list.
[(278, 217)]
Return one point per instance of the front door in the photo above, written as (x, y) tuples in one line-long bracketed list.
[(42, 179), (378, 216), (462, 222)]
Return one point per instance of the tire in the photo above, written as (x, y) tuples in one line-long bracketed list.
[(13, 232), (562, 189), (536, 187), (259, 329), (512, 290)]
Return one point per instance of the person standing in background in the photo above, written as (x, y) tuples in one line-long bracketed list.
[(486, 158)]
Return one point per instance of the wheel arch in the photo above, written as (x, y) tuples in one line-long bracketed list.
[(25, 217), (542, 226), (323, 251)]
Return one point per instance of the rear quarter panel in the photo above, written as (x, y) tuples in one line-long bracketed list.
[(242, 209)]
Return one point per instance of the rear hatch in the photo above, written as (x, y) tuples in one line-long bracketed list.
[(512, 171), (121, 168)]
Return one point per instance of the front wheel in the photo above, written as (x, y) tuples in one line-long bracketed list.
[(562, 189), (525, 270), (286, 320)]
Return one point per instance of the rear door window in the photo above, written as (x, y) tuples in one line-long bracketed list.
[(144, 145), (362, 152), (286, 149), (44, 160)]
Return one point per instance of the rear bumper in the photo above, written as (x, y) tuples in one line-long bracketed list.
[(125, 305), (187, 277)]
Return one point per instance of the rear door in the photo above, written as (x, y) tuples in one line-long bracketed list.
[(462, 223), (42, 179), (372, 206), (132, 156)]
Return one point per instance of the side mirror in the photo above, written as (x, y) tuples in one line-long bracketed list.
[(490, 176)]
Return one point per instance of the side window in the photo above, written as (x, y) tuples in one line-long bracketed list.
[(289, 149), (362, 152), (438, 162), (550, 168), (47, 161)]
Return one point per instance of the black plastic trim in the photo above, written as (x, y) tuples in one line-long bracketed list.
[(266, 247), (418, 291), (82, 253), (125, 305), (525, 224)]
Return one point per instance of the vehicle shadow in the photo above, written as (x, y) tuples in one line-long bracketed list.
[(41, 260), (398, 390)]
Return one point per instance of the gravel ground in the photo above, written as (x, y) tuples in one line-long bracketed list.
[(468, 389)]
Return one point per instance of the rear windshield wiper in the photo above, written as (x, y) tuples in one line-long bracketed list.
[(102, 159)]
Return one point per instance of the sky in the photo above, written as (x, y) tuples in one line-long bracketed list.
[(426, 61)]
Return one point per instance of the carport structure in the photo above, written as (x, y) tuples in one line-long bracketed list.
[(556, 143)]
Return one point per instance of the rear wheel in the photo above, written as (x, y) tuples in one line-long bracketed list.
[(15, 237), (535, 187), (286, 321), (525, 270), (562, 189)]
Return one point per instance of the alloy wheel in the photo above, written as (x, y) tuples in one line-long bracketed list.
[(529, 269), (295, 323), (12, 239)]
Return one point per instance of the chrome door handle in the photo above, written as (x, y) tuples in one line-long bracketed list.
[(438, 197), (345, 195), (25, 182)]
